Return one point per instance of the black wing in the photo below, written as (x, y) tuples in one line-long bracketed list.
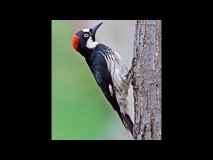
[(103, 78)]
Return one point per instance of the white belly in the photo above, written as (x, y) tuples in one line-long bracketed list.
[(118, 72)]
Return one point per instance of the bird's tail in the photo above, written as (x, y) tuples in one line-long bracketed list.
[(126, 121)]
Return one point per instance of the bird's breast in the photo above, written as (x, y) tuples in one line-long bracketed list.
[(118, 71)]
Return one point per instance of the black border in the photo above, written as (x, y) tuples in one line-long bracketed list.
[(40, 53)]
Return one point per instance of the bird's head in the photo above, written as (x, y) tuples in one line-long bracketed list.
[(84, 39)]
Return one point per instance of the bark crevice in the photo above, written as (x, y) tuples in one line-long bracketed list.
[(145, 77)]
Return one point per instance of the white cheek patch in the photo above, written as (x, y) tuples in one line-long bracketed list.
[(90, 44)]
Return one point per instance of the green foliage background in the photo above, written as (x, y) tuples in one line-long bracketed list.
[(79, 109)]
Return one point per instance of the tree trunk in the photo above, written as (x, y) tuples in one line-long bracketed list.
[(146, 80)]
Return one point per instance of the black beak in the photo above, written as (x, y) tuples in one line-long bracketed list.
[(94, 29)]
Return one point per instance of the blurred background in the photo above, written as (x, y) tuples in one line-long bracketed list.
[(79, 109)]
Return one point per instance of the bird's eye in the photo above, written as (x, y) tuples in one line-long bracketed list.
[(86, 35)]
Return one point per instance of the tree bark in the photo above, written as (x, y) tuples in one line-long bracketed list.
[(146, 80)]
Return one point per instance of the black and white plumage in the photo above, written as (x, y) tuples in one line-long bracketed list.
[(109, 71)]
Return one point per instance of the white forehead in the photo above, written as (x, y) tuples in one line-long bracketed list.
[(85, 30)]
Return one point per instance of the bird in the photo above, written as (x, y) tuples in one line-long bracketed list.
[(108, 69)]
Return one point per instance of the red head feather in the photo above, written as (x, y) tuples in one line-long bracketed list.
[(75, 40)]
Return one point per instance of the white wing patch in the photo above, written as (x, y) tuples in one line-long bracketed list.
[(91, 44), (111, 90)]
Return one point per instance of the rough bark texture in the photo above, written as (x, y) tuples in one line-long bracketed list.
[(146, 80)]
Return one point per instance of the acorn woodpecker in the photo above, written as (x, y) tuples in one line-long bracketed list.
[(109, 71)]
